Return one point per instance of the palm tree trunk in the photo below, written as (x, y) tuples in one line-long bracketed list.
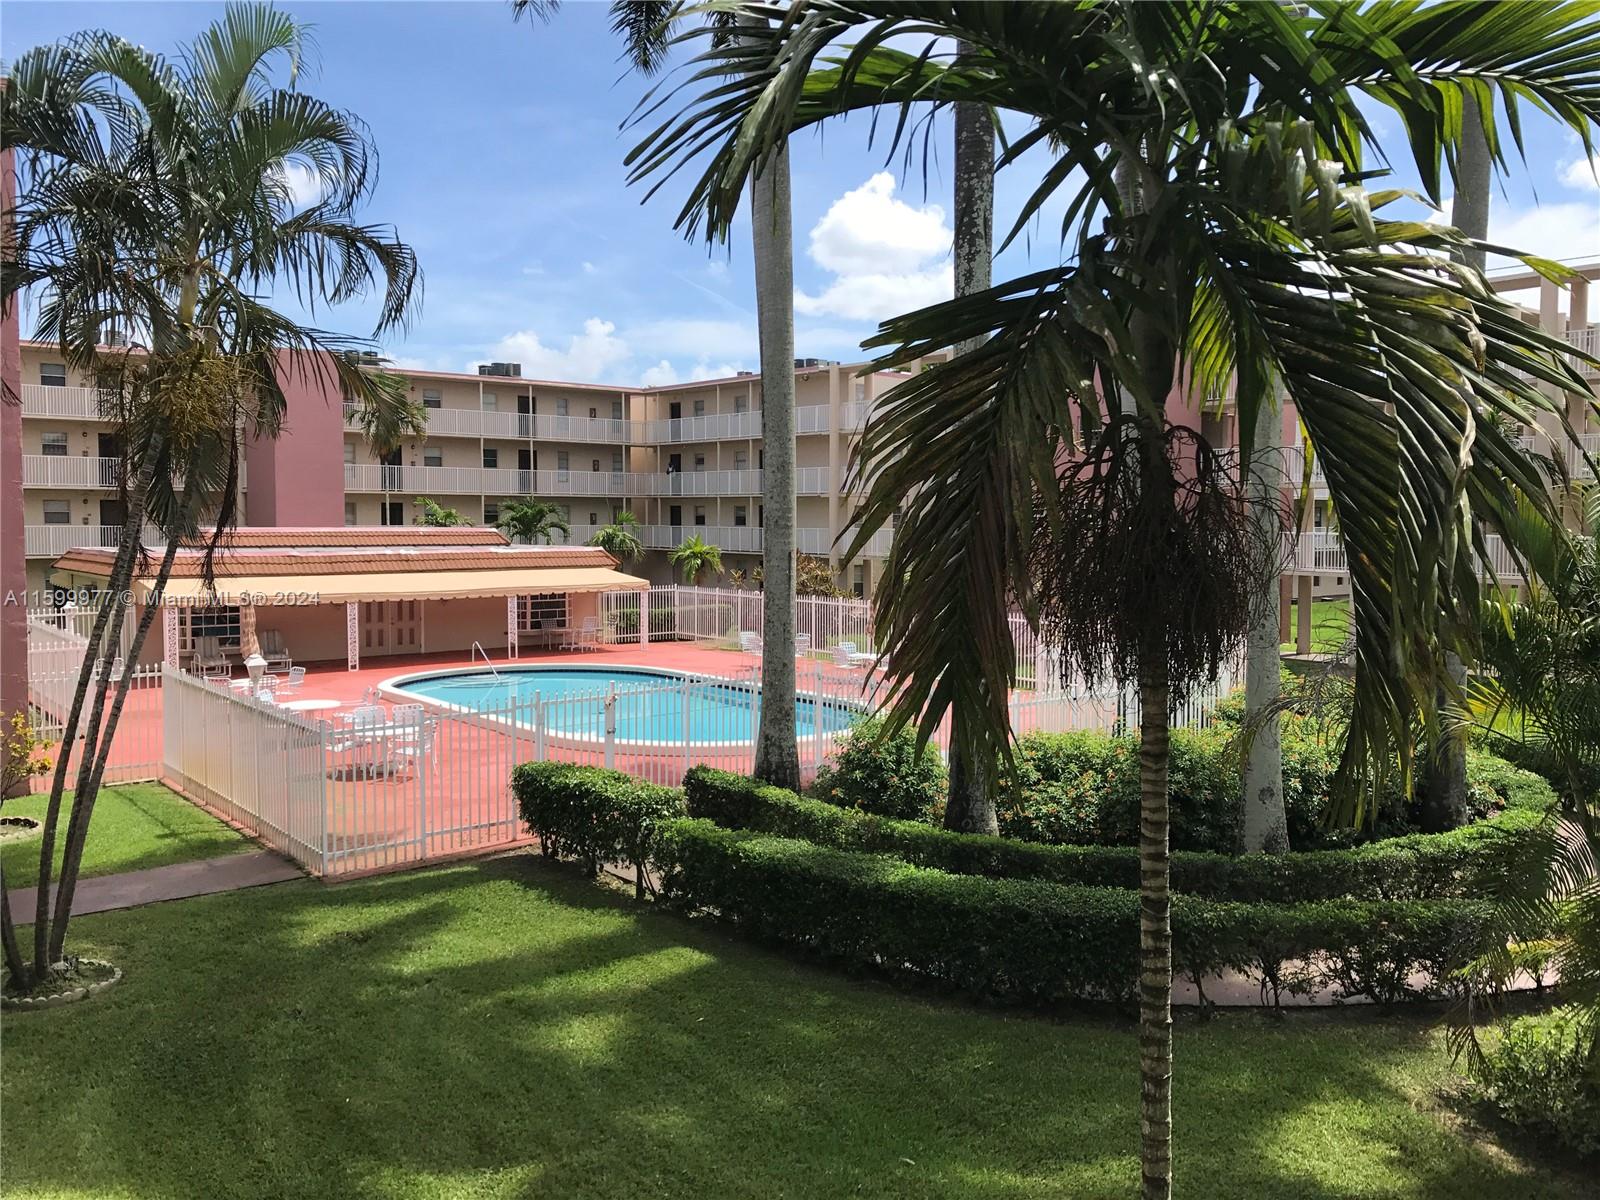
[(969, 805), (1445, 805), (84, 800), (777, 754), (1266, 826), (16, 967), (93, 660), (1155, 930)]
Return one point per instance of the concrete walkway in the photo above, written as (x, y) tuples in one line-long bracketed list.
[(229, 873)]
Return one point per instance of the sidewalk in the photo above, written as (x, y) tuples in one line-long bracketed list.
[(229, 873)]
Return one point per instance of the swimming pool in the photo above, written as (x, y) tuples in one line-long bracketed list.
[(651, 707)]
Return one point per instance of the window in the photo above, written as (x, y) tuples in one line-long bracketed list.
[(741, 460), (699, 408), (58, 512), (561, 406), (741, 402), (858, 583), (861, 391), (491, 402), (699, 514), (431, 398), (741, 515), (595, 465), (432, 456), (491, 513), (616, 462), (220, 621), (699, 462), (563, 461), (53, 374), (349, 452), (491, 457), (616, 410), (593, 413), (594, 518), (350, 513), (541, 612), (53, 444)]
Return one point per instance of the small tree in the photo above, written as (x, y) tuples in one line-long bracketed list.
[(436, 515), (813, 576), (620, 539), (21, 755), (695, 558), (533, 521)]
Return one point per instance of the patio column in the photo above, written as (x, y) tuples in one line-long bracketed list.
[(1285, 594), (644, 617), (169, 632), (1303, 616), (511, 626), (352, 634)]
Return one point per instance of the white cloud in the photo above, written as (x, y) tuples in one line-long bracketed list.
[(1567, 231), (589, 268), (664, 374), (883, 253), (595, 355), (1580, 173), (305, 188), (702, 339)]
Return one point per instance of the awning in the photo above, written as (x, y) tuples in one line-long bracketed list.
[(408, 585)]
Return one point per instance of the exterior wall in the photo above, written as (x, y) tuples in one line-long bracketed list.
[(295, 479)]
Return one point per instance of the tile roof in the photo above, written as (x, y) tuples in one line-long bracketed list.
[(320, 560), (363, 535)]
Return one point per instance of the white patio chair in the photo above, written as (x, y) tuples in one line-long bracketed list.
[(210, 658), (589, 635), (411, 747), (844, 654), (750, 643), (292, 681), (272, 649), (802, 644)]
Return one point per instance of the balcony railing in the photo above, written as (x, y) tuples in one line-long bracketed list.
[(703, 483), (706, 428), (813, 418), (1321, 551), (49, 470), (491, 423), (51, 541), (73, 403), (1586, 340)]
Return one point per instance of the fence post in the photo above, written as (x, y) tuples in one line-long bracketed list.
[(538, 728), (644, 617), (684, 692), (611, 727)]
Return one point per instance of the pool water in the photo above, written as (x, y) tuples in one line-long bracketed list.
[(650, 704)]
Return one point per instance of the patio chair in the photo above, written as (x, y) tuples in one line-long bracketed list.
[(410, 747), (589, 635), (292, 681), (844, 654), (750, 643), (272, 649), (802, 645), (210, 658)]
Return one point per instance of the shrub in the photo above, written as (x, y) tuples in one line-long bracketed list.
[(592, 814), (1542, 1075), (884, 775), (1457, 864), (1034, 941)]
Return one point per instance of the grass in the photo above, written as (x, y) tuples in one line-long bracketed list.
[(1330, 625), (135, 826), (507, 1030)]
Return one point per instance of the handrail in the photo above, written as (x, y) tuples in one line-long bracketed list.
[(477, 648)]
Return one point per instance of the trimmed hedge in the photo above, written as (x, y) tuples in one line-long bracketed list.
[(888, 776), (1031, 941), (1541, 1076), (1416, 867), (592, 814)]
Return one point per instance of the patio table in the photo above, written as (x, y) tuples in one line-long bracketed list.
[(309, 705)]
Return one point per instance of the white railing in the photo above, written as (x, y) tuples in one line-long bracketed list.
[(50, 541), (73, 403), (1322, 551), (708, 427), (1585, 340), (1587, 451), (494, 423), (813, 418), (737, 539), (49, 470), (490, 481), (703, 483)]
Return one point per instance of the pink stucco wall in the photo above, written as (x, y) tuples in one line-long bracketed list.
[(13, 548), (297, 479)]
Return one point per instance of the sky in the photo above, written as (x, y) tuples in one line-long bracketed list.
[(501, 163)]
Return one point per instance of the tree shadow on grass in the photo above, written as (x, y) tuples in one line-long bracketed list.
[(506, 1029)]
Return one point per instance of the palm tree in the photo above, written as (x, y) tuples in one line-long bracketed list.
[(620, 539), (156, 199), (1242, 245), (437, 515), (533, 521), (696, 558), (647, 28)]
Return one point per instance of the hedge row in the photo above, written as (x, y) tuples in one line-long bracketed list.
[(1457, 864), (1032, 941), (592, 814)]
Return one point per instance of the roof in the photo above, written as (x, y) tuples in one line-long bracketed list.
[(349, 564)]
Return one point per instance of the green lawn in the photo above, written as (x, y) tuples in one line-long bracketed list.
[(135, 825), (506, 1030), (1330, 625)]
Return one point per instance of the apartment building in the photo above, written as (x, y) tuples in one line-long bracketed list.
[(684, 460)]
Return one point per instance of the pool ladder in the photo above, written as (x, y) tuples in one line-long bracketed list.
[(477, 649)]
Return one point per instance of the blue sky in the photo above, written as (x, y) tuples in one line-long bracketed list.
[(502, 165)]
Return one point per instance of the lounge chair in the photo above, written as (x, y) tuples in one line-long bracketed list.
[(802, 645), (844, 654), (292, 681), (272, 649), (750, 643), (210, 658)]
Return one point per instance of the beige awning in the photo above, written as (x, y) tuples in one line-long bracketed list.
[(408, 585)]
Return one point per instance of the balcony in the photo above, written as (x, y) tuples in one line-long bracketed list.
[(489, 481), (49, 470), (813, 418), (52, 541), (481, 423), (703, 483), (707, 428), (1587, 341), (1321, 551), (73, 403)]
